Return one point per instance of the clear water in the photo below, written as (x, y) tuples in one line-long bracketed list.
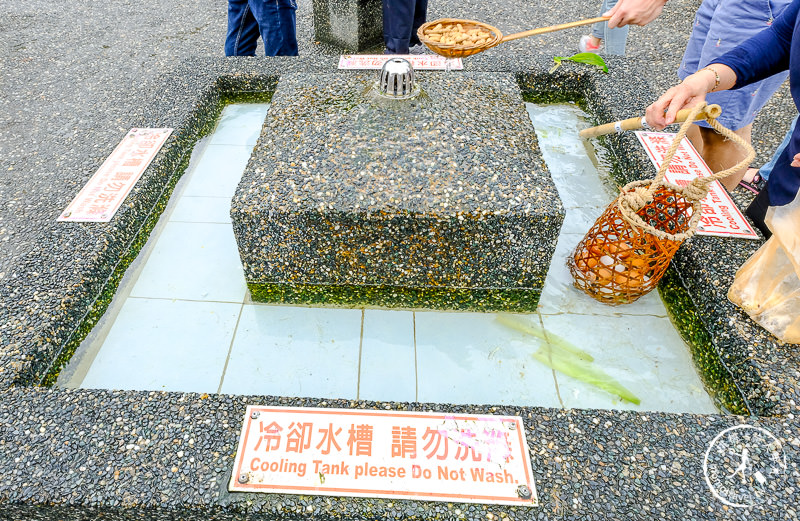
[(182, 321)]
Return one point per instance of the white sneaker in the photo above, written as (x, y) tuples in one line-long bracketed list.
[(585, 45)]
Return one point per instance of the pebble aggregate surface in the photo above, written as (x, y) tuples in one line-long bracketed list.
[(448, 189), (77, 76)]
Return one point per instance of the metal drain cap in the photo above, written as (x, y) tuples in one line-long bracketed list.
[(397, 78)]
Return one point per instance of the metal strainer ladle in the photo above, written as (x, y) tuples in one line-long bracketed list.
[(452, 50)]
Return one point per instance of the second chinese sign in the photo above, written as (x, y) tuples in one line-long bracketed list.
[(721, 216)]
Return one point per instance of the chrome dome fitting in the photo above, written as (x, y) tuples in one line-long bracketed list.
[(397, 79)]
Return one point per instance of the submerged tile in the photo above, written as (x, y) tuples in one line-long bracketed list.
[(169, 345), (240, 124), (218, 172), (644, 354), (470, 358), (580, 220), (193, 261), (295, 351), (388, 364), (202, 210), (564, 151)]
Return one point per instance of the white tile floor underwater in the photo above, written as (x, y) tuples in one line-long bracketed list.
[(181, 320)]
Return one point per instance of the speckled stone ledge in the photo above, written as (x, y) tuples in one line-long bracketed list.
[(85, 454), (447, 191)]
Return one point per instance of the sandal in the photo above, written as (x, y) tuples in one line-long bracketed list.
[(757, 183)]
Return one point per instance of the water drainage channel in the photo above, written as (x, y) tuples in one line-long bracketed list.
[(181, 319)]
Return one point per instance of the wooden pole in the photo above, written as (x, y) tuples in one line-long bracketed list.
[(711, 111), (553, 28)]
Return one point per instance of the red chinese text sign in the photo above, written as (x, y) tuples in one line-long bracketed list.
[(420, 62), (101, 197), (361, 453), (721, 216)]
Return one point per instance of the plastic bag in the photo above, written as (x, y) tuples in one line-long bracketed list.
[(767, 286)]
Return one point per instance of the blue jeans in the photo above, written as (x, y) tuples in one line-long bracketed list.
[(401, 19), (765, 170), (719, 26), (614, 40), (274, 20)]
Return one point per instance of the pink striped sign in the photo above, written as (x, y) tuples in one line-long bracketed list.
[(102, 196)]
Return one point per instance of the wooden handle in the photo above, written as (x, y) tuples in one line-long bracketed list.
[(554, 28), (711, 111)]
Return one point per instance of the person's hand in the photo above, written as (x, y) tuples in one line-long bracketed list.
[(634, 12), (796, 161), (687, 94)]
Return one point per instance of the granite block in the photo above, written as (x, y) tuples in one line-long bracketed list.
[(445, 191), (353, 25)]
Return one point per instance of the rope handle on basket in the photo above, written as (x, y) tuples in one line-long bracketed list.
[(695, 191)]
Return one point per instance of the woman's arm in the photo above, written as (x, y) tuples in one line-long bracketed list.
[(759, 57), (691, 91), (634, 12)]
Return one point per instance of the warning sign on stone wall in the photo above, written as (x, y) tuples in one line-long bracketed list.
[(103, 194), (365, 453), (721, 217), (420, 62)]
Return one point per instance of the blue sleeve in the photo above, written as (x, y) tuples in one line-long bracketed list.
[(766, 53)]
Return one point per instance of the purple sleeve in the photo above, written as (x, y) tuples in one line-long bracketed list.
[(766, 53)]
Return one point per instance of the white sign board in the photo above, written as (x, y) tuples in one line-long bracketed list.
[(101, 197), (420, 62), (391, 454), (721, 216)]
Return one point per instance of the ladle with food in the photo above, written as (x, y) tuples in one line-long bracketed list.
[(455, 38)]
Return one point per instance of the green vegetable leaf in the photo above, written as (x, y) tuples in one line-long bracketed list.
[(563, 356), (524, 326), (589, 58), (580, 369)]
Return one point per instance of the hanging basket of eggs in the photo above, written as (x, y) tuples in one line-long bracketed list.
[(629, 247)]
